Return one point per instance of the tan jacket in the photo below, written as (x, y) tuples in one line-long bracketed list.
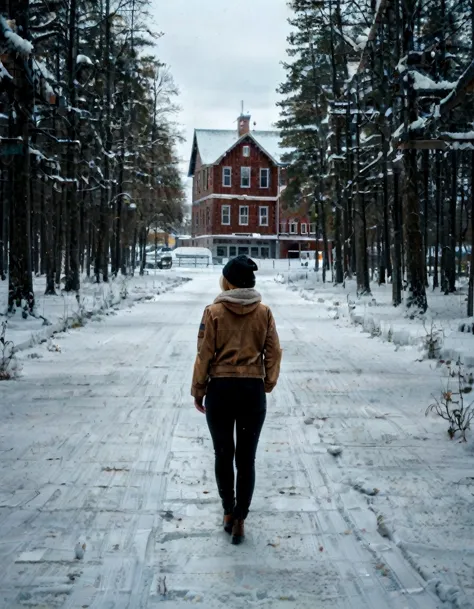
[(237, 338)]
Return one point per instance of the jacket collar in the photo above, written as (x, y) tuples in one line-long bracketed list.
[(241, 296)]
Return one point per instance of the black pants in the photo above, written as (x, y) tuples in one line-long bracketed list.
[(239, 403)]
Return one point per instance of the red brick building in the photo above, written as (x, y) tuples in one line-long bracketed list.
[(238, 177)]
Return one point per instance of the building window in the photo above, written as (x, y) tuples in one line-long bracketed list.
[(263, 212), (304, 228), (225, 215), (222, 251), (293, 228), (232, 251), (243, 251), (244, 215), (245, 177), (208, 217), (312, 228), (265, 252), (227, 177), (246, 151), (264, 178)]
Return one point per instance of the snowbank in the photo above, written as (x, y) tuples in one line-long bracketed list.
[(376, 315), (57, 313)]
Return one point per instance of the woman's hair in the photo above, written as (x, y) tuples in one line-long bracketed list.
[(225, 284)]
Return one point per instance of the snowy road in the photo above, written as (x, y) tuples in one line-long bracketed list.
[(100, 443)]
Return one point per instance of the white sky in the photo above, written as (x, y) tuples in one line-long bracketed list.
[(221, 52)]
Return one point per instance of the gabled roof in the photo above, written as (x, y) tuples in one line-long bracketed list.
[(213, 144)]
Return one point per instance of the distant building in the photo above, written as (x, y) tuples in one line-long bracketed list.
[(238, 177)]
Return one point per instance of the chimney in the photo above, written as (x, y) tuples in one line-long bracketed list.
[(244, 124)]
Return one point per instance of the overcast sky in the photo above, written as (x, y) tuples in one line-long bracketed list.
[(221, 52)]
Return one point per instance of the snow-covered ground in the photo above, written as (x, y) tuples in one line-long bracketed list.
[(56, 313), (100, 444), (375, 314)]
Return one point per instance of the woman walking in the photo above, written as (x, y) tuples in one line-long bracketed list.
[(237, 363)]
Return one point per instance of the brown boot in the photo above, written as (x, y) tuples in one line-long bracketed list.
[(228, 523), (238, 533)]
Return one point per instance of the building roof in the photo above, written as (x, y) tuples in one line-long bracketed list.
[(213, 144)]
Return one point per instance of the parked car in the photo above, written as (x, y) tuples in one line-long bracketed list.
[(160, 258)]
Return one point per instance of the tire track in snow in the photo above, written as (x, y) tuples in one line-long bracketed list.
[(160, 516), (344, 360)]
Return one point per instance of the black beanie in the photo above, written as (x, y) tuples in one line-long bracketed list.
[(240, 272)]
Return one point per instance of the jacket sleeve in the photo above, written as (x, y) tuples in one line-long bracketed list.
[(272, 355), (206, 347)]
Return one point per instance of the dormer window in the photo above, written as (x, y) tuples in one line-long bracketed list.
[(246, 151)]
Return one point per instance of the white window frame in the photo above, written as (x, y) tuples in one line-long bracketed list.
[(293, 228), (229, 185), (304, 228), (246, 151), (242, 177), (242, 207), (227, 208), (262, 207), (265, 171)]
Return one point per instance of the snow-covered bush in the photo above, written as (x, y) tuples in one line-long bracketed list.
[(450, 405), (124, 292), (8, 363), (433, 341)]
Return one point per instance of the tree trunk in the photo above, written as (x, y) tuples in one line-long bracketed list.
[(49, 247), (20, 289), (72, 273), (362, 263), (426, 195), (325, 240), (438, 219), (451, 268), (42, 221), (4, 198), (416, 298), (386, 265), (143, 235), (59, 241), (460, 230), (470, 294), (397, 243), (414, 243)]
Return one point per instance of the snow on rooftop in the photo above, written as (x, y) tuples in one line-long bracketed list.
[(214, 143)]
